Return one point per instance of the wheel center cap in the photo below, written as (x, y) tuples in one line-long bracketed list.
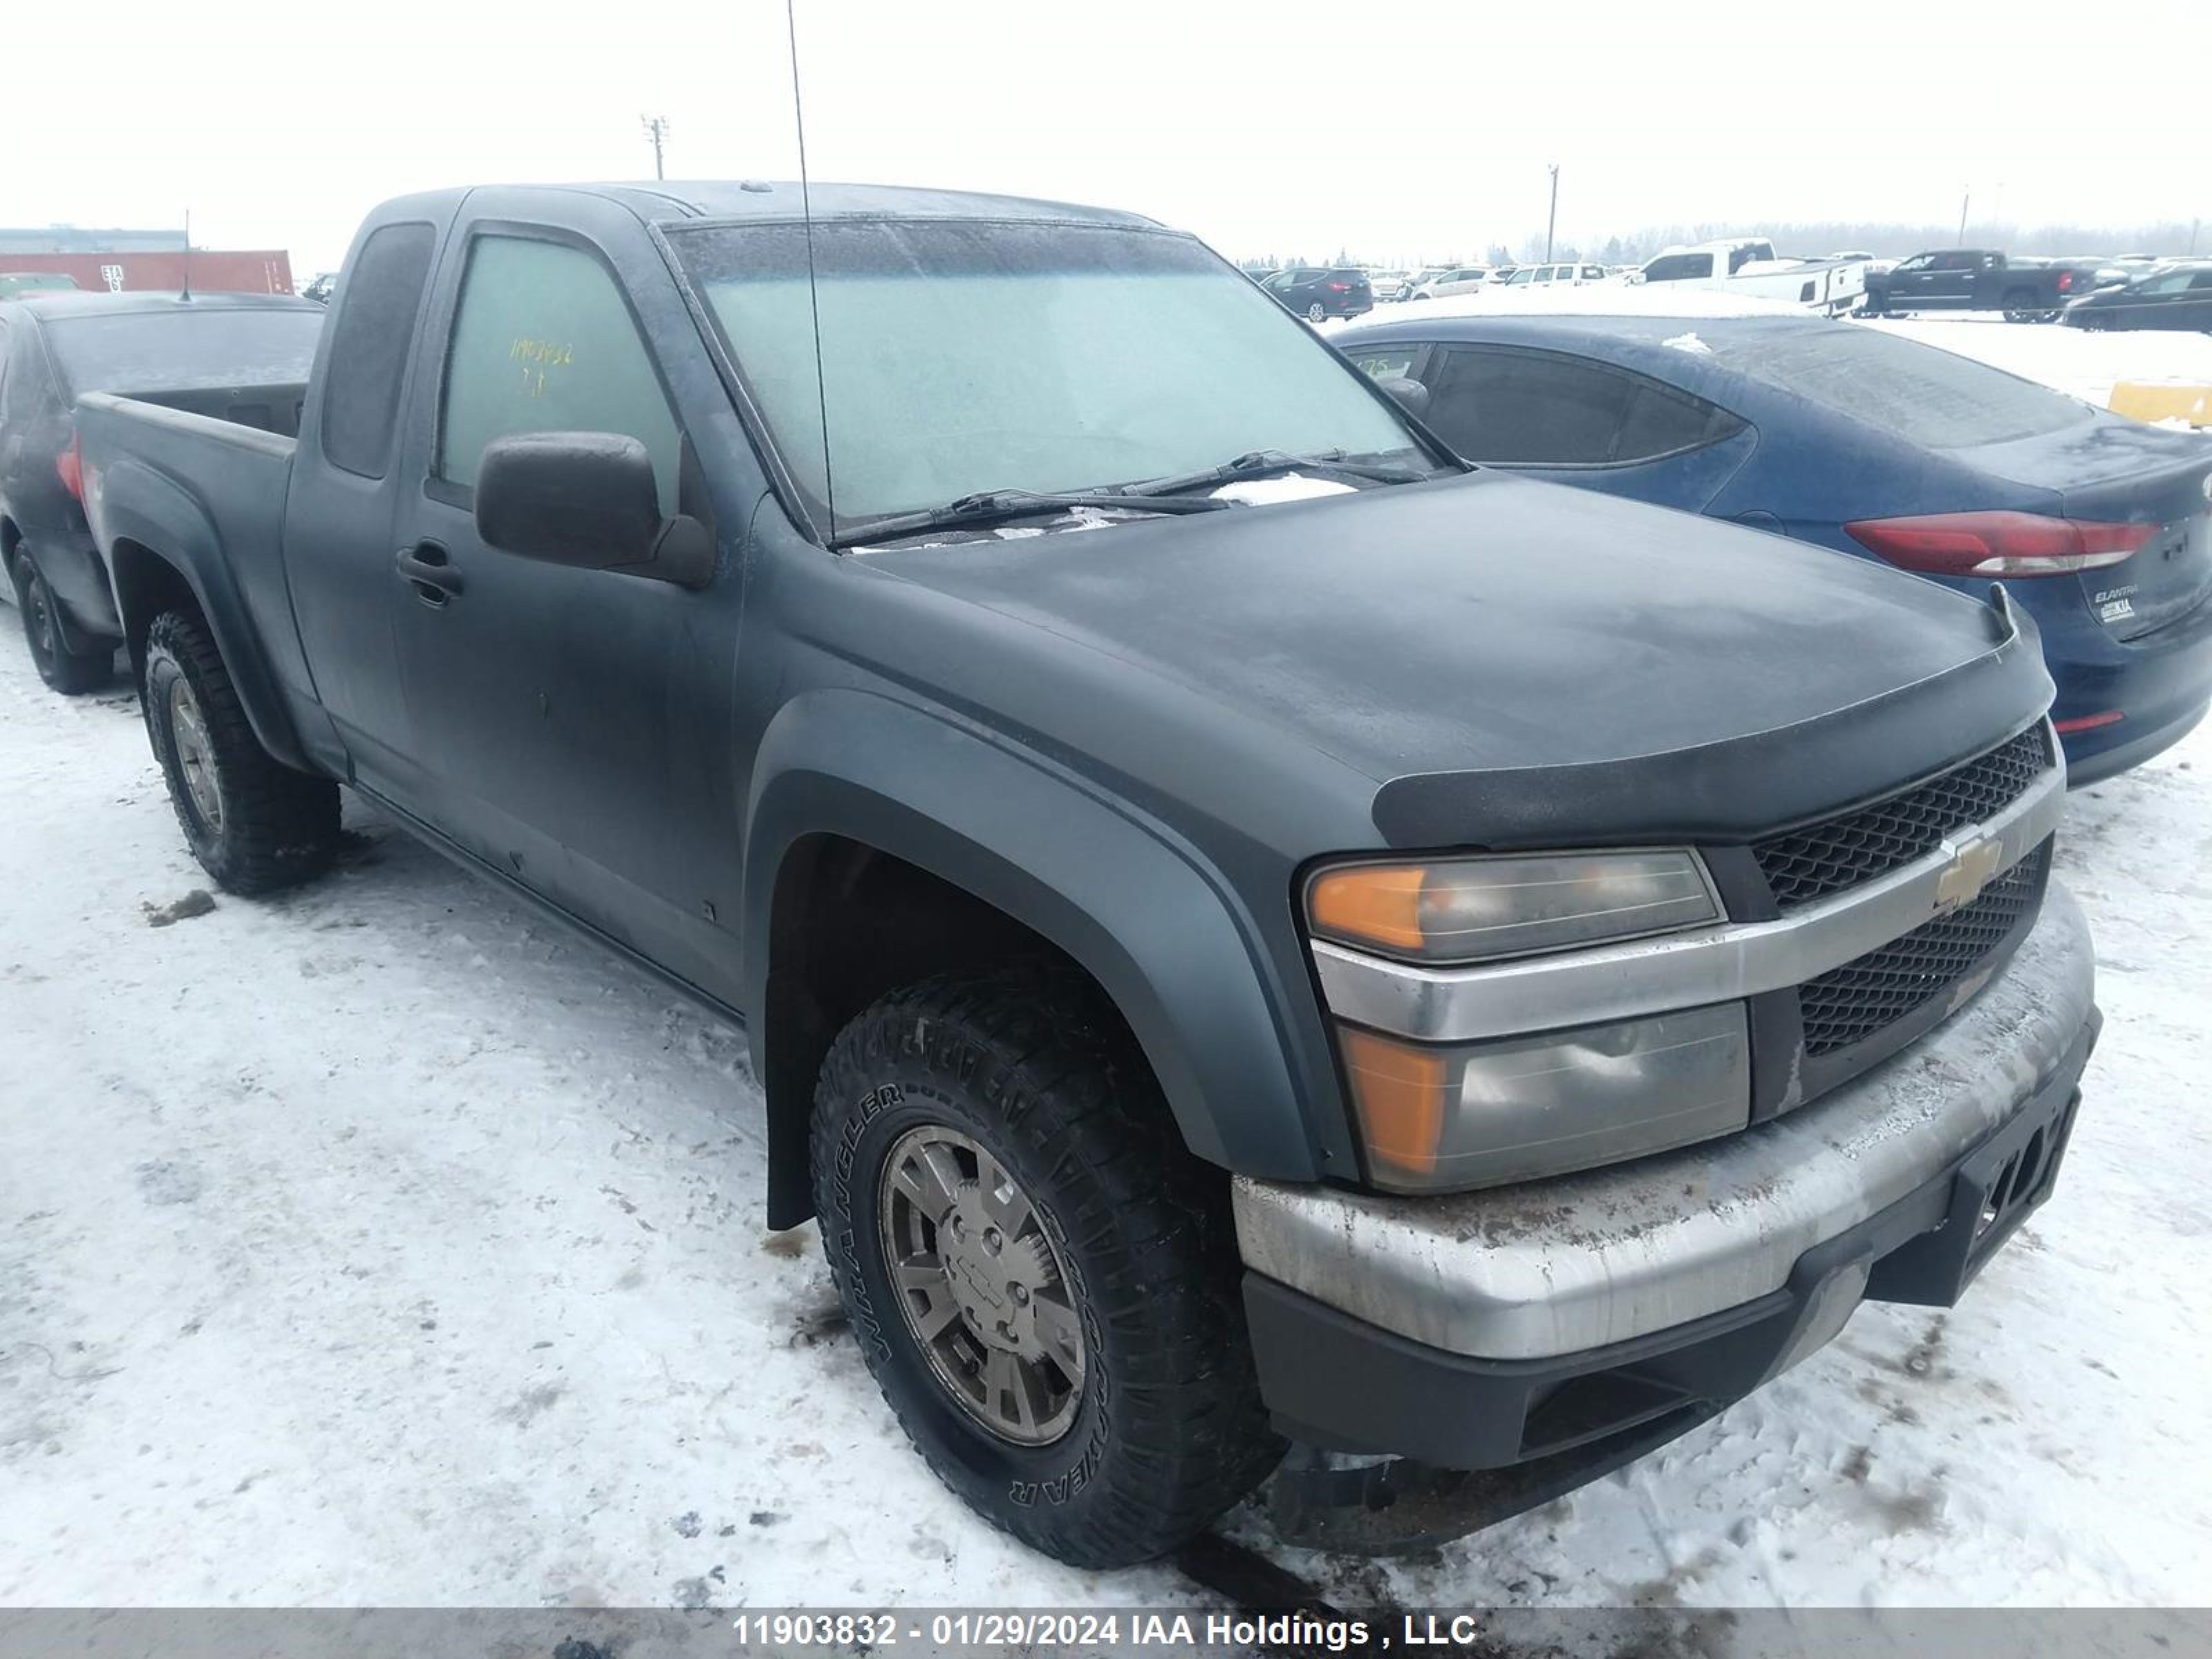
[(979, 1270), (972, 1282)]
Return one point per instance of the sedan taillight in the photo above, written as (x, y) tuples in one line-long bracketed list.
[(69, 464), (1998, 543)]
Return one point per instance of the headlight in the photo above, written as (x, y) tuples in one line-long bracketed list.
[(1475, 910), (1438, 1119)]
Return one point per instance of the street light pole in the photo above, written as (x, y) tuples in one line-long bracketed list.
[(1965, 202), (656, 128), (1553, 223)]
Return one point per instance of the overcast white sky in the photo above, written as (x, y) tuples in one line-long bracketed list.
[(1287, 127)]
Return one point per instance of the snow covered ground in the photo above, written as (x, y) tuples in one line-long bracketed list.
[(380, 1244)]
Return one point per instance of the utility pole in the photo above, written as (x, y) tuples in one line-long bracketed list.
[(1965, 202), (2193, 224), (1552, 223), (656, 128)]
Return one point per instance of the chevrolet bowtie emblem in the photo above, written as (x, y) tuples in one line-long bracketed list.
[(1969, 871)]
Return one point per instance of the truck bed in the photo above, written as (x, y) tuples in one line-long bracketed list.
[(264, 408), (155, 475)]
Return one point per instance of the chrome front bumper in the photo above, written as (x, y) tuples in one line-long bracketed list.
[(1551, 1267)]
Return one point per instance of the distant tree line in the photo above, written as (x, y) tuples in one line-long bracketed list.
[(1885, 239)]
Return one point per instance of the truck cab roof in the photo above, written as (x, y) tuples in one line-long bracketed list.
[(675, 200)]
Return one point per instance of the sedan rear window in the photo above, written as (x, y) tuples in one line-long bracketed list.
[(1923, 394), (180, 351)]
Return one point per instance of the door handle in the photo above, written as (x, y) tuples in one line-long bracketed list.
[(426, 568)]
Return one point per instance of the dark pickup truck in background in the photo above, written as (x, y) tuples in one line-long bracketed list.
[(242, 357), (1247, 928), (1979, 279)]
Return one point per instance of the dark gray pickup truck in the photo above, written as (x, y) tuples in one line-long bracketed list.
[(1979, 279), (1249, 930)]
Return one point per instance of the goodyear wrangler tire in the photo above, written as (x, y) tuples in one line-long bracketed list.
[(1041, 1279), (253, 822)]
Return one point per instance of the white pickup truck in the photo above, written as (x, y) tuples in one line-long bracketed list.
[(1747, 265)]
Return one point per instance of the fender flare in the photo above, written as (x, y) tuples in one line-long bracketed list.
[(145, 507), (1163, 935)]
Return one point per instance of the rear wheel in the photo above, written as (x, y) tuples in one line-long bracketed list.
[(1042, 1280), (253, 822), (2020, 307), (1317, 311), (61, 669)]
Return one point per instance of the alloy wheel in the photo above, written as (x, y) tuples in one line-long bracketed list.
[(195, 750), (985, 1291)]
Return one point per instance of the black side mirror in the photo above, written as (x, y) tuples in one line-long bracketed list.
[(1411, 394), (586, 499)]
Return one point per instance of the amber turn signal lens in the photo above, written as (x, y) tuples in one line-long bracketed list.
[(1483, 908), (1380, 902), (1400, 1093)]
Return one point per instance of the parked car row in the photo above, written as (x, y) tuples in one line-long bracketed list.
[(1250, 928), (2130, 292)]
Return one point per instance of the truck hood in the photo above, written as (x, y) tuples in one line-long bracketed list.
[(1514, 661)]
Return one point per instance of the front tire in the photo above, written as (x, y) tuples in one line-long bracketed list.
[(1087, 1385), (254, 823), (67, 672)]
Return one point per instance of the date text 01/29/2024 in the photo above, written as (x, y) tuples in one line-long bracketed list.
[(1031, 1630)]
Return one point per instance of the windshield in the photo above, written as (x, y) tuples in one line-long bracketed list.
[(964, 356), (182, 350), (1921, 393)]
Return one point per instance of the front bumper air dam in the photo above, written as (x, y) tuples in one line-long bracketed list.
[(1569, 1325)]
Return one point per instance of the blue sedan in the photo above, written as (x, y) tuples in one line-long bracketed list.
[(1876, 445)]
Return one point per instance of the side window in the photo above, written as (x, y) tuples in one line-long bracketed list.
[(543, 343), (1536, 408), (1386, 362), (1917, 261), (1529, 407), (1662, 421), (2178, 282), (2200, 282), (375, 331)]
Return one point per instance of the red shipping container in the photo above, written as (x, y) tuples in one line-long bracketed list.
[(213, 271)]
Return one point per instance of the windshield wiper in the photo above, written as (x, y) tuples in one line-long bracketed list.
[(1264, 463), (990, 507)]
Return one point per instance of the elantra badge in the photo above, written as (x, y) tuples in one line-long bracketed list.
[(1971, 869)]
